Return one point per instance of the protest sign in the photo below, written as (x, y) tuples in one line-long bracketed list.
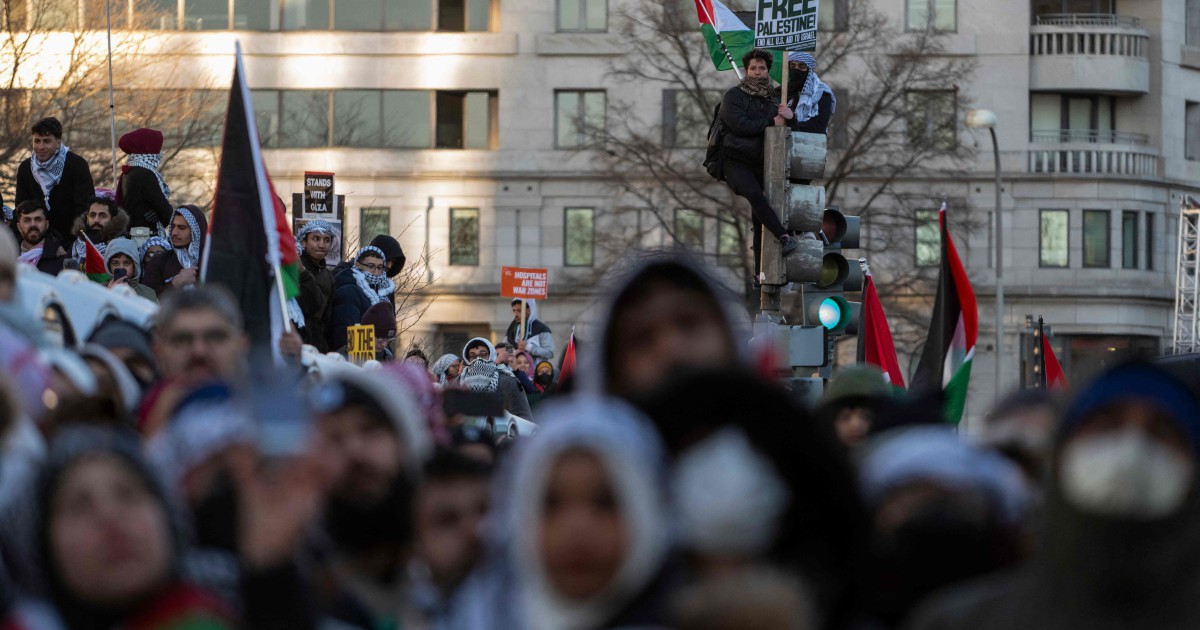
[(360, 343), (337, 249), (319, 199), (786, 24), (524, 283)]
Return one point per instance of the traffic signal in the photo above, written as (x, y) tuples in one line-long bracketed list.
[(824, 301), (805, 206)]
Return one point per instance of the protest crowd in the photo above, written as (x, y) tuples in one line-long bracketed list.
[(161, 469)]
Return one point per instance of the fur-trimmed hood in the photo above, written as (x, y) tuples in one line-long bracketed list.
[(116, 227)]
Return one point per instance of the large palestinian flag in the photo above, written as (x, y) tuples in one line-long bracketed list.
[(718, 24), (249, 248), (946, 360), (875, 346)]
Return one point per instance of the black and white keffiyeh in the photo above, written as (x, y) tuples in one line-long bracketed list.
[(809, 99), (480, 375), (377, 287), (316, 225), (189, 256), (150, 162), (49, 173)]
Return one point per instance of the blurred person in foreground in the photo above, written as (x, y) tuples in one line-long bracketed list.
[(446, 369), (198, 336), (856, 396), (665, 315), (581, 534), (370, 424), (1021, 427), (1121, 535), (942, 511), (106, 545)]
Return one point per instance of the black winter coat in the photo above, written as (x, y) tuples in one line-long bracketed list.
[(316, 302), (68, 199), (349, 304), (141, 196), (746, 118)]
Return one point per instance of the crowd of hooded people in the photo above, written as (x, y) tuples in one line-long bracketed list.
[(160, 477)]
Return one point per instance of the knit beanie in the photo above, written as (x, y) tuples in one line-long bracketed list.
[(141, 141), (382, 318), (1141, 382), (856, 382), (115, 333)]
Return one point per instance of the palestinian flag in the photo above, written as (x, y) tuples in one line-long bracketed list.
[(249, 248), (93, 262), (875, 345), (729, 37), (567, 367), (1052, 375), (946, 360)]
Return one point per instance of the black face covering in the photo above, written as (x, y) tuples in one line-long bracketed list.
[(215, 517), (544, 379), (796, 79), (360, 526)]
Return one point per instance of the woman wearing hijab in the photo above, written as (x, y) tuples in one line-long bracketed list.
[(179, 266), (810, 101), (446, 368), (583, 532), (141, 191), (104, 544)]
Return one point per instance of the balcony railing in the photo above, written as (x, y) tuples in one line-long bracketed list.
[(1100, 34), (1093, 136), (1087, 19), (1096, 159)]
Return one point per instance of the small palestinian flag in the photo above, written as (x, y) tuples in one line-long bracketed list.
[(567, 367), (93, 262), (875, 346), (950, 346), (729, 37), (1052, 373)]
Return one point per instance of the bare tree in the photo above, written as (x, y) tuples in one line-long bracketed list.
[(895, 120), (415, 292), (53, 62)]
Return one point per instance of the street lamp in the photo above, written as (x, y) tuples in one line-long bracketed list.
[(978, 119)]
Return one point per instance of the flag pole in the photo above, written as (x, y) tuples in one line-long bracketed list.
[(112, 108), (720, 40)]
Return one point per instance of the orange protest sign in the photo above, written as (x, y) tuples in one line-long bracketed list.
[(523, 282)]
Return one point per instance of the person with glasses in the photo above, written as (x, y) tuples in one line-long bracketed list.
[(356, 288), (198, 336)]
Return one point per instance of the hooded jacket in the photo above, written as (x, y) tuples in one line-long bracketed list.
[(68, 199), (129, 248), (512, 590), (539, 340), (115, 228), (394, 253), (1094, 571), (162, 268), (597, 376)]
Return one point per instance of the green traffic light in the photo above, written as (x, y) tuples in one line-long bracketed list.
[(834, 313)]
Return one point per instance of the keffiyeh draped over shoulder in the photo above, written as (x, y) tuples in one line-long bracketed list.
[(189, 256), (49, 173), (807, 104)]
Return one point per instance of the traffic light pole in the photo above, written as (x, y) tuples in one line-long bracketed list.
[(775, 183)]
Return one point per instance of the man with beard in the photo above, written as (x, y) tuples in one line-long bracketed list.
[(40, 245), (198, 336), (102, 223), (179, 267), (55, 177), (368, 421), (316, 282)]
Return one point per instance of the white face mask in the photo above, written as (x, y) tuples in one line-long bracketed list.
[(1124, 473)]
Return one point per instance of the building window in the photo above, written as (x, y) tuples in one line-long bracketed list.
[(579, 118), (583, 15), (1192, 36), (730, 247), (686, 118), (1149, 242), (371, 223), (932, 120), (1191, 131), (1096, 236), (1072, 118), (689, 229), (464, 236), (1129, 240), (305, 15), (833, 15), (304, 121), (579, 240), (928, 238), (936, 14), (1052, 240), (464, 120), (206, 15)]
